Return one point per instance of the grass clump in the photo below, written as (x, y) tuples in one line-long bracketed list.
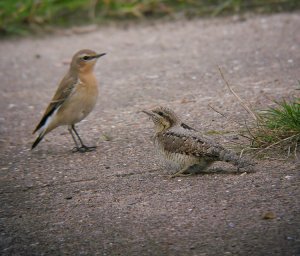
[(23, 16), (278, 126)]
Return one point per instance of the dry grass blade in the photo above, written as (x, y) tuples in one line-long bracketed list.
[(276, 127), (244, 105), (227, 117), (276, 143)]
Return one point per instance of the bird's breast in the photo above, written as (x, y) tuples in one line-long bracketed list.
[(87, 94), (173, 159), (81, 101)]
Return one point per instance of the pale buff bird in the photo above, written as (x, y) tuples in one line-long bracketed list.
[(185, 149), (73, 100)]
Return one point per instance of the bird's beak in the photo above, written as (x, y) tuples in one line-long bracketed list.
[(98, 56), (149, 113)]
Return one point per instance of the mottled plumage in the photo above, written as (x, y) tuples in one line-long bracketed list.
[(183, 147)]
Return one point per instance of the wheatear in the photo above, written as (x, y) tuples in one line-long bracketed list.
[(73, 100), (184, 148)]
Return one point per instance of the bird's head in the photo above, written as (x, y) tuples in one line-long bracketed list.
[(163, 118), (85, 60)]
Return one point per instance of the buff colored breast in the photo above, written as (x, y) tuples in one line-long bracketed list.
[(81, 102)]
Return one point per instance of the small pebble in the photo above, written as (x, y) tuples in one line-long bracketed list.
[(230, 224), (269, 216)]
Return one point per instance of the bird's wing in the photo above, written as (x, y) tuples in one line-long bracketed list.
[(190, 144), (62, 93)]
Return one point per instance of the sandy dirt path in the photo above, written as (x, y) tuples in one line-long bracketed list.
[(118, 200)]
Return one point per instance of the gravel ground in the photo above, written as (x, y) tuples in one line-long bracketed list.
[(118, 200)]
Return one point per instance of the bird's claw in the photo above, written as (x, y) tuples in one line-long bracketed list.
[(180, 175), (83, 149)]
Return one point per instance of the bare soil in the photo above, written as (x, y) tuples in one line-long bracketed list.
[(118, 200)]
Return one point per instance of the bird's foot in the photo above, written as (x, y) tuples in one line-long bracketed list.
[(83, 149), (180, 174), (247, 169)]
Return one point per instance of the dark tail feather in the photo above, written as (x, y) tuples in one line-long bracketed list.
[(44, 119), (229, 156), (37, 141)]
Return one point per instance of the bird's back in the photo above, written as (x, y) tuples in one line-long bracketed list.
[(186, 147), (182, 147), (188, 142)]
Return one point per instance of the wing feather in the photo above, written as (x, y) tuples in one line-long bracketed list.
[(189, 144), (62, 93)]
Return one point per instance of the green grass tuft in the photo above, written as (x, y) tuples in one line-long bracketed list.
[(278, 127), (286, 116), (274, 128), (23, 16)]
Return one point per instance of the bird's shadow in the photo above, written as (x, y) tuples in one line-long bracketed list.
[(196, 170), (57, 151)]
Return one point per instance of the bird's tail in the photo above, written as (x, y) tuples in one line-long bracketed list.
[(230, 156), (44, 127), (38, 140)]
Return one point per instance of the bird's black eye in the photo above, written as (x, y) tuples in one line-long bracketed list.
[(85, 57), (160, 113)]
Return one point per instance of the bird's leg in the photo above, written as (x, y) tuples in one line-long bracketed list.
[(181, 173), (193, 169), (74, 139), (83, 148)]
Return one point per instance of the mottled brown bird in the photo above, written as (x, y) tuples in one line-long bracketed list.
[(183, 148), (73, 100)]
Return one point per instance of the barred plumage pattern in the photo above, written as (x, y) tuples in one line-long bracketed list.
[(184, 147)]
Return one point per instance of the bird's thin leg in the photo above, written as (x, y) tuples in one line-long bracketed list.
[(74, 139), (200, 167), (83, 147), (181, 173)]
